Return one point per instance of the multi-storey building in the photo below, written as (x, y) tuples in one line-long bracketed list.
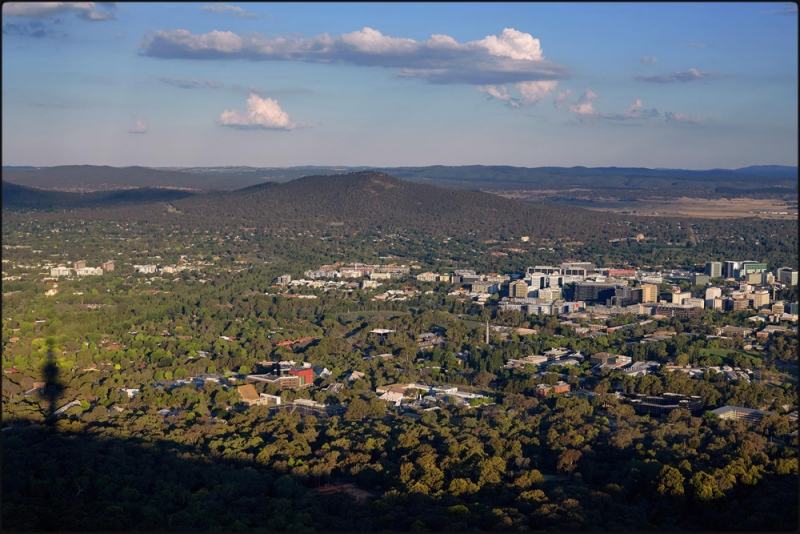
[(658, 405), (518, 289), (649, 293), (107, 266), (787, 276), (60, 271), (714, 269), (594, 291), (760, 298)]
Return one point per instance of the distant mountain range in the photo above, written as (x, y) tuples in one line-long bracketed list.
[(88, 178), (18, 197)]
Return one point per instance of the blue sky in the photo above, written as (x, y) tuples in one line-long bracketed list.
[(678, 85)]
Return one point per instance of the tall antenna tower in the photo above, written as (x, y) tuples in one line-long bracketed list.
[(487, 331)]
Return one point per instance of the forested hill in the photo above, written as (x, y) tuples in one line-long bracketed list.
[(17, 197), (603, 178), (373, 199)]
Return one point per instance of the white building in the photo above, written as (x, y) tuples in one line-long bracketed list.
[(145, 269), (60, 271), (89, 271)]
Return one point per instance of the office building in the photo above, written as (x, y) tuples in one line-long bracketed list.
[(107, 266), (518, 289), (742, 414), (760, 298), (678, 310), (749, 267), (679, 297), (649, 293), (594, 291), (714, 269), (713, 292), (700, 279), (537, 280), (787, 276), (730, 269), (657, 405), (60, 271), (79, 264)]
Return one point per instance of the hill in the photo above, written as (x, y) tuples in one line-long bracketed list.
[(18, 197), (598, 178), (374, 199)]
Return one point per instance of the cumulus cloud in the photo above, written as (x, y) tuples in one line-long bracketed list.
[(499, 94), (690, 75), (681, 118), (530, 93), (190, 83), (85, 10), (583, 107), (511, 57), (646, 60), (261, 114), (636, 111), (227, 8), (139, 126)]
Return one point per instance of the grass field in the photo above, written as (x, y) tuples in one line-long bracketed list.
[(723, 353), (694, 207)]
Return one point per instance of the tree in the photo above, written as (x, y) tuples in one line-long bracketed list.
[(358, 409), (669, 482)]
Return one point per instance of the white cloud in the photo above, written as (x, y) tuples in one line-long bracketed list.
[(583, 107), (681, 118), (139, 126), (512, 43), (646, 60), (533, 92), (85, 10), (530, 93), (790, 9), (678, 76), (227, 8), (503, 95), (261, 114), (374, 42), (636, 111), (512, 57), (190, 83)]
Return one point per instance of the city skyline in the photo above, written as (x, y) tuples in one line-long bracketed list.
[(692, 86)]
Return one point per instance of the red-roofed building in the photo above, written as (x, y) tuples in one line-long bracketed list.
[(306, 375)]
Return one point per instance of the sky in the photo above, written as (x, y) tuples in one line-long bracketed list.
[(659, 85)]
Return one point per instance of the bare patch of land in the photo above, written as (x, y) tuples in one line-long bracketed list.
[(772, 208)]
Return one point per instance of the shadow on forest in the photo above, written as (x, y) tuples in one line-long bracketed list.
[(57, 478), (53, 385), (76, 481)]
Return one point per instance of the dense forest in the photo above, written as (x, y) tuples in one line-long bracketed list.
[(180, 455)]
